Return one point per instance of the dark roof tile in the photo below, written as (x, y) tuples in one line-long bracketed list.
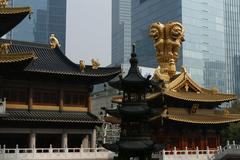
[(51, 116)]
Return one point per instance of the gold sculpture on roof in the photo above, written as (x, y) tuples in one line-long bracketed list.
[(4, 48), (3, 3), (167, 42), (54, 41), (81, 65), (95, 63)]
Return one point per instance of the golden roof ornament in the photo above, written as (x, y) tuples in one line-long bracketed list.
[(167, 40), (3, 3), (81, 65), (4, 48), (53, 41), (95, 63)]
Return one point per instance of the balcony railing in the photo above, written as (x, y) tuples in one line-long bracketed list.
[(228, 150), (55, 154)]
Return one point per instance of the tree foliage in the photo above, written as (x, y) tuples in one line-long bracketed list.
[(231, 132)]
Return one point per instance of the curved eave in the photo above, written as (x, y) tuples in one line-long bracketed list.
[(93, 78), (16, 57), (203, 119), (10, 17), (195, 97), (201, 97)]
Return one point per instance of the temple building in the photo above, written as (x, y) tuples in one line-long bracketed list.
[(188, 115), (45, 97)]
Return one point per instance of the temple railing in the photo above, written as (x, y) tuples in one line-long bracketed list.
[(103, 154), (184, 154), (229, 149), (55, 154)]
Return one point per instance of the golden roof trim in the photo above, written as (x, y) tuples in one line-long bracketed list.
[(16, 57), (186, 119), (193, 96), (15, 10), (181, 80)]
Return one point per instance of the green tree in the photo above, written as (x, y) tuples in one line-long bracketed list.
[(231, 132)]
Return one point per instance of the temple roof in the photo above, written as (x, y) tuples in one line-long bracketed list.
[(200, 116), (197, 97), (183, 87), (16, 57), (54, 62), (10, 17), (51, 116), (133, 80)]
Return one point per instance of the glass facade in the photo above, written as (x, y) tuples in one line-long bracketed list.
[(121, 31), (202, 53), (232, 44), (49, 16)]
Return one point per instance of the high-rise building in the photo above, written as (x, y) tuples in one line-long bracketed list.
[(48, 17), (203, 21), (121, 31), (232, 44)]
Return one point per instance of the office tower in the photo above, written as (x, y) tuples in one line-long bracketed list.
[(121, 31), (232, 44), (203, 21), (49, 16)]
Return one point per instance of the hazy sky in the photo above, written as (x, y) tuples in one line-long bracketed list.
[(89, 30)]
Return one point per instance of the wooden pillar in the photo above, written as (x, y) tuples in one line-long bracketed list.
[(89, 105), (85, 142), (64, 140), (32, 140), (61, 96), (30, 98), (93, 138), (206, 138)]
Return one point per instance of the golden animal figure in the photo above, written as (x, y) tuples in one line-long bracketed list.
[(54, 41), (174, 38), (3, 3), (157, 33), (81, 65), (4, 48), (95, 64), (167, 40)]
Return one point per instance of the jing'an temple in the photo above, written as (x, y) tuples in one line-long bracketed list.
[(170, 109), (45, 97)]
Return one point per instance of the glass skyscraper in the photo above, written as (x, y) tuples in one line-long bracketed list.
[(232, 44), (203, 52), (121, 31), (49, 16)]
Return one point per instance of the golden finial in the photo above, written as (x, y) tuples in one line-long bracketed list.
[(81, 65), (4, 48), (95, 64), (3, 3), (167, 40), (54, 41), (214, 90)]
